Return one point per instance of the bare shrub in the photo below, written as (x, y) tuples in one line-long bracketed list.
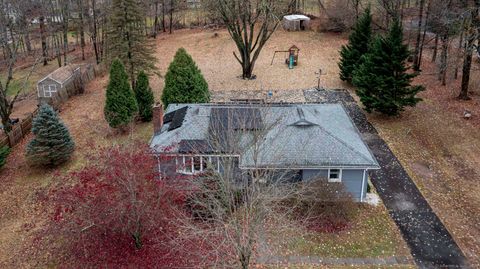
[(322, 206)]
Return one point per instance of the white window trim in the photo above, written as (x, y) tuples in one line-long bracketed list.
[(181, 168), (339, 179), (47, 90)]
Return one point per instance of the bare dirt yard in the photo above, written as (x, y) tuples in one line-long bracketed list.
[(213, 54), (440, 149)]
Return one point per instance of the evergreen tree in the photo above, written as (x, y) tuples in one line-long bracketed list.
[(4, 151), (358, 42), (120, 103), (382, 79), (127, 40), (184, 82), (52, 144), (144, 96)]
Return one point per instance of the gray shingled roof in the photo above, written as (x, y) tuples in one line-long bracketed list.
[(62, 74), (294, 136)]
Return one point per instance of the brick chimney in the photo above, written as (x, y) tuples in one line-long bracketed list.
[(157, 118)]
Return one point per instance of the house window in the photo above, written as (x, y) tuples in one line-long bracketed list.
[(190, 165), (179, 164), (49, 90), (206, 163), (334, 175), (197, 164)]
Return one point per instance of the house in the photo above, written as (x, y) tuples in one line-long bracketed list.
[(313, 140), (296, 22)]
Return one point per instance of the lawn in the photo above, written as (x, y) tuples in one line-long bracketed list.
[(372, 235)]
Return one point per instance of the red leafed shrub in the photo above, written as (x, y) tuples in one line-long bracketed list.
[(115, 212)]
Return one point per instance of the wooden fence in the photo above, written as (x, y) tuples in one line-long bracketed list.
[(18, 132), (22, 128)]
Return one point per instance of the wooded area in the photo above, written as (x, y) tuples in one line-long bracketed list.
[(39, 31)]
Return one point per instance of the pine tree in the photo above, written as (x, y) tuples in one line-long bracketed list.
[(184, 82), (52, 144), (358, 42), (144, 96), (4, 151), (382, 79), (120, 104), (127, 40)]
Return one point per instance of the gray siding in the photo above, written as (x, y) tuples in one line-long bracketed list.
[(46, 83), (351, 178), (353, 182)]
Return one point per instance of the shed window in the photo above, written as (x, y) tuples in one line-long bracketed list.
[(334, 175), (49, 90)]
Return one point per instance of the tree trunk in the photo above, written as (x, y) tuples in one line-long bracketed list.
[(130, 65), (171, 16), (357, 4), (473, 32), (57, 48), (26, 36), (444, 60), (163, 16), (467, 65), (94, 33), (460, 47), (82, 30), (103, 38), (424, 34), (65, 39), (435, 49), (44, 40), (247, 70), (416, 59), (28, 43), (155, 22)]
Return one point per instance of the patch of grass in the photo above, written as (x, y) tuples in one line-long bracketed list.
[(17, 85), (373, 234)]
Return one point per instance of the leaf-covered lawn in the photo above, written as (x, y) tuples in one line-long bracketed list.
[(372, 234)]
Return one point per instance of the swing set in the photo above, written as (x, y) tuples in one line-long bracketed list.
[(291, 56)]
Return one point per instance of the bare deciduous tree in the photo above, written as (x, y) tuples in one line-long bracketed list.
[(230, 207), (471, 36), (416, 59), (250, 23), (10, 46)]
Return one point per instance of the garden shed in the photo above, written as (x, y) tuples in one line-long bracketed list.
[(296, 22), (64, 82)]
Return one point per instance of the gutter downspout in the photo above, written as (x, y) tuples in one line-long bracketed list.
[(363, 185)]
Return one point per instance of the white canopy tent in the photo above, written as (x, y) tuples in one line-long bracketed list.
[(295, 22)]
